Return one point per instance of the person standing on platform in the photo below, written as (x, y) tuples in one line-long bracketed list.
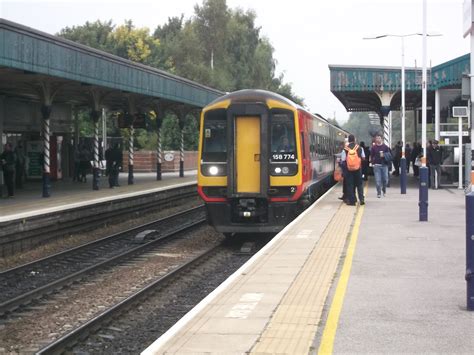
[(397, 154), (77, 164), (353, 155), (8, 162), (114, 161), (84, 163), (108, 160), (365, 162), (408, 156), (20, 166), (343, 166), (377, 157), (415, 153), (434, 155)]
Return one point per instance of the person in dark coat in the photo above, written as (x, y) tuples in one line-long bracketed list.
[(8, 162), (365, 162), (114, 162), (397, 153), (84, 163), (20, 169), (408, 156), (415, 152), (434, 154)]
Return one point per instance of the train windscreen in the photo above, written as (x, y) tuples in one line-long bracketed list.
[(214, 147), (283, 142)]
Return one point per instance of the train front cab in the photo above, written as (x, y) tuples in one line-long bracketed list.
[(247, 183)]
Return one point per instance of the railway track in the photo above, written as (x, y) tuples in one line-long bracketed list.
[(135, 322), (24, 233), (68, 341), (23, 285)]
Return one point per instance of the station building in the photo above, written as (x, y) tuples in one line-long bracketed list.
[(378, 90), (45, 80)]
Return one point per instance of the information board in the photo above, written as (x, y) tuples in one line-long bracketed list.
[(34, 152)]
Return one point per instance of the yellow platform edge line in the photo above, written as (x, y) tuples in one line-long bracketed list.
[(329, 333)]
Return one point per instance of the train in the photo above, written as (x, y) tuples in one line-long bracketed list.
[(262, 159)]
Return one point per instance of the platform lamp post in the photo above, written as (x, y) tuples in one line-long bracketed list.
[(423, 189), (403, 161)]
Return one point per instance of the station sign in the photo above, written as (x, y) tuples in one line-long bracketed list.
[(34, 155), (460, 111), (453, 133)]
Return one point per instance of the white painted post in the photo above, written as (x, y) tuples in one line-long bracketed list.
[(437, 114), (460, 152)]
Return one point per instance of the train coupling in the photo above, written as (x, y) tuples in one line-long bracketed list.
[(247, 207)]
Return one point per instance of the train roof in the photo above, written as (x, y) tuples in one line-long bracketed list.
[(254, 95)]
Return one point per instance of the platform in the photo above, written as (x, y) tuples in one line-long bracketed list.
[(67, 194), (405, 292)]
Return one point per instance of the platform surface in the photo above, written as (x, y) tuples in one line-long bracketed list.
[(274, 302), (404, 291), (67, 194)]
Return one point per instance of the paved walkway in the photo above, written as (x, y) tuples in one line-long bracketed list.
[(406, 292), (400, 288), (65, 192)]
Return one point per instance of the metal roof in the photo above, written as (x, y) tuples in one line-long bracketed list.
[(27, 54), (357, 86)]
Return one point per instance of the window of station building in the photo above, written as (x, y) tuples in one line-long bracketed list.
[(214, 142), (282, 136)]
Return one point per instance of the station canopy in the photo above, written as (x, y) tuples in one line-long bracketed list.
[(356, 87), (31, 60)]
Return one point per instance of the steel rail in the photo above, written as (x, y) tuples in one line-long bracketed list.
[(64, 343), (9, 306)]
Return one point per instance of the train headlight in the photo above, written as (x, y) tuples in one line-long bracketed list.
[(214, 169), (284, 170)]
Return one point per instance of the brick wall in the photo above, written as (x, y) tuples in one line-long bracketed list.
[(145, 161)]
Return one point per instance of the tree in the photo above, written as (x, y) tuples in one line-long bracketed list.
[(93, 34), (211, 28), (218, 47), (359, 125), (133, 43)]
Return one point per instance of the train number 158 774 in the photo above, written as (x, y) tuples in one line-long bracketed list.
[(283, 156)]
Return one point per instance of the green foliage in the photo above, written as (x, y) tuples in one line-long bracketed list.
[(171, 134), (360, 126), (218, 47), (93, 34)]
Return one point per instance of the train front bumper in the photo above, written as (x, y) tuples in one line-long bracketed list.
[(272, 218)]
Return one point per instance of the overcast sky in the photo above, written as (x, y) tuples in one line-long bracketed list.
[(307, 35)]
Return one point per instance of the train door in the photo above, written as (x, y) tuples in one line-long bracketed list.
[(247, 154)]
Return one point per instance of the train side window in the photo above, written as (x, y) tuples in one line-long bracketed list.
[(303, 147), (214, 147)]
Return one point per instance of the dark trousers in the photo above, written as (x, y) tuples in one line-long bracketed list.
[(9, 177), (416, 170), (345, 194), (113, 176), (354, 181), (365, 169), (20, 172), (396, 167)]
